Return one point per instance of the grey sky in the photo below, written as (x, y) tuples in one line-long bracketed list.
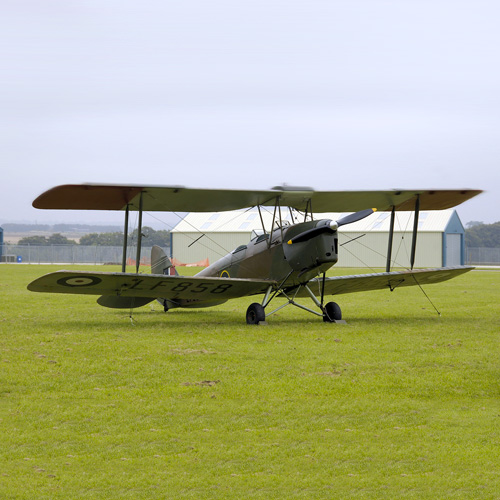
[(249, 94)]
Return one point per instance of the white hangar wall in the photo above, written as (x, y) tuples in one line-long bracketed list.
[(187, 248), (213, 235), (370, 249), (440, 240)]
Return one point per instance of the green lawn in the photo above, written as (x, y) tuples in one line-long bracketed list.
[(398, 403)]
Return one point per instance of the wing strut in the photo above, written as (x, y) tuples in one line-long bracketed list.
[(308, 210), (261, 219), (139, 237), (281, 221), (391, 236), (125, 238), (276, 205), (415, 227)]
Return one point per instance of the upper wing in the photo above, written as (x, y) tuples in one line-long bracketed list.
[(181, 199), (379, 281), (148, 285)]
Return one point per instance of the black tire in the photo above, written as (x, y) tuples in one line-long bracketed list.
[(255, 314), (332, 312)]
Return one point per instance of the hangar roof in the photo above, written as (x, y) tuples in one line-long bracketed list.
[(246, 221), (237, 221)]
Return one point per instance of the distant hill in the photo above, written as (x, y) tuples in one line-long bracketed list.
[(10, 227)]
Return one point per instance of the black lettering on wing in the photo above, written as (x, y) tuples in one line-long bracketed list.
[(201, 287), (135, 285), (222, 288), (181, 287), (160, 283)]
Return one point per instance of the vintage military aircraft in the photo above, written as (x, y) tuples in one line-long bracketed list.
[(289, 260)]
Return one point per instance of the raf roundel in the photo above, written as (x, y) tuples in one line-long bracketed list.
[(79, 281)]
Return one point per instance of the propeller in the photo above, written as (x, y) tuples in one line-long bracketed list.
[(349, 219), (332, 227)]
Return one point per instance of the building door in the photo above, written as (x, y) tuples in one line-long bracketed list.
[(453, 250)]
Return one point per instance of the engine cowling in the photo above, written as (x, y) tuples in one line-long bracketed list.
[(314, 251)]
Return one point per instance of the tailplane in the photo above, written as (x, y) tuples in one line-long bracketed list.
[(160, 263)]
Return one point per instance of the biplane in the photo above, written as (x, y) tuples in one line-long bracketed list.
[(288, 260)]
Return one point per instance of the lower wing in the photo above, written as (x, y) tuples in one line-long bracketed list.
[(147, 287), (379, 281)]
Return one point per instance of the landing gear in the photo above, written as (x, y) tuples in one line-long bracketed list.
[(255, 314), (332, 312)]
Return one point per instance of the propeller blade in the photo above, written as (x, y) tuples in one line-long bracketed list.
[(349, 219), (315, 231)]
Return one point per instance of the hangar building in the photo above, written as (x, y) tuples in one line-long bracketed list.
[(364, 243)]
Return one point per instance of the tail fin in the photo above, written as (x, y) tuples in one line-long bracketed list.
[(160, 263)]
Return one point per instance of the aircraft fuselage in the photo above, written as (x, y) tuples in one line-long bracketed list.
[(270, 256)]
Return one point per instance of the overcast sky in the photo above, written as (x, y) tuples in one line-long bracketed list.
[(336, 95)]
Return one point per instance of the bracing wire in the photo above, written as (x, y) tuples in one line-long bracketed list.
[(426, 296), (224, 251), (394, 260), (404, 231), (359, 258)]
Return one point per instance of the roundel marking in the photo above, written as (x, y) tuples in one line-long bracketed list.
[(224, 274), (79, 281)]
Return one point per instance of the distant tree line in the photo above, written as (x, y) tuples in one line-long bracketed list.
[(477, 234), (53, 239), (482, 235), (150, 237)]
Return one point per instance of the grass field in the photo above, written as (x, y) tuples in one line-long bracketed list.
[(398, 403)]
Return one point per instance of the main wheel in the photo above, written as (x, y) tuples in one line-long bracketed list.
[(332, 312), (255, 314)]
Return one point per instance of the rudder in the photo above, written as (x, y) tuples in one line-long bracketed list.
[(160, 263)]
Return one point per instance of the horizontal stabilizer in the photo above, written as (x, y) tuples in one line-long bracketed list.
[(379, 281)]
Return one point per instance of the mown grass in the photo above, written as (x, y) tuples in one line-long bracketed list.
[(398, 403)]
